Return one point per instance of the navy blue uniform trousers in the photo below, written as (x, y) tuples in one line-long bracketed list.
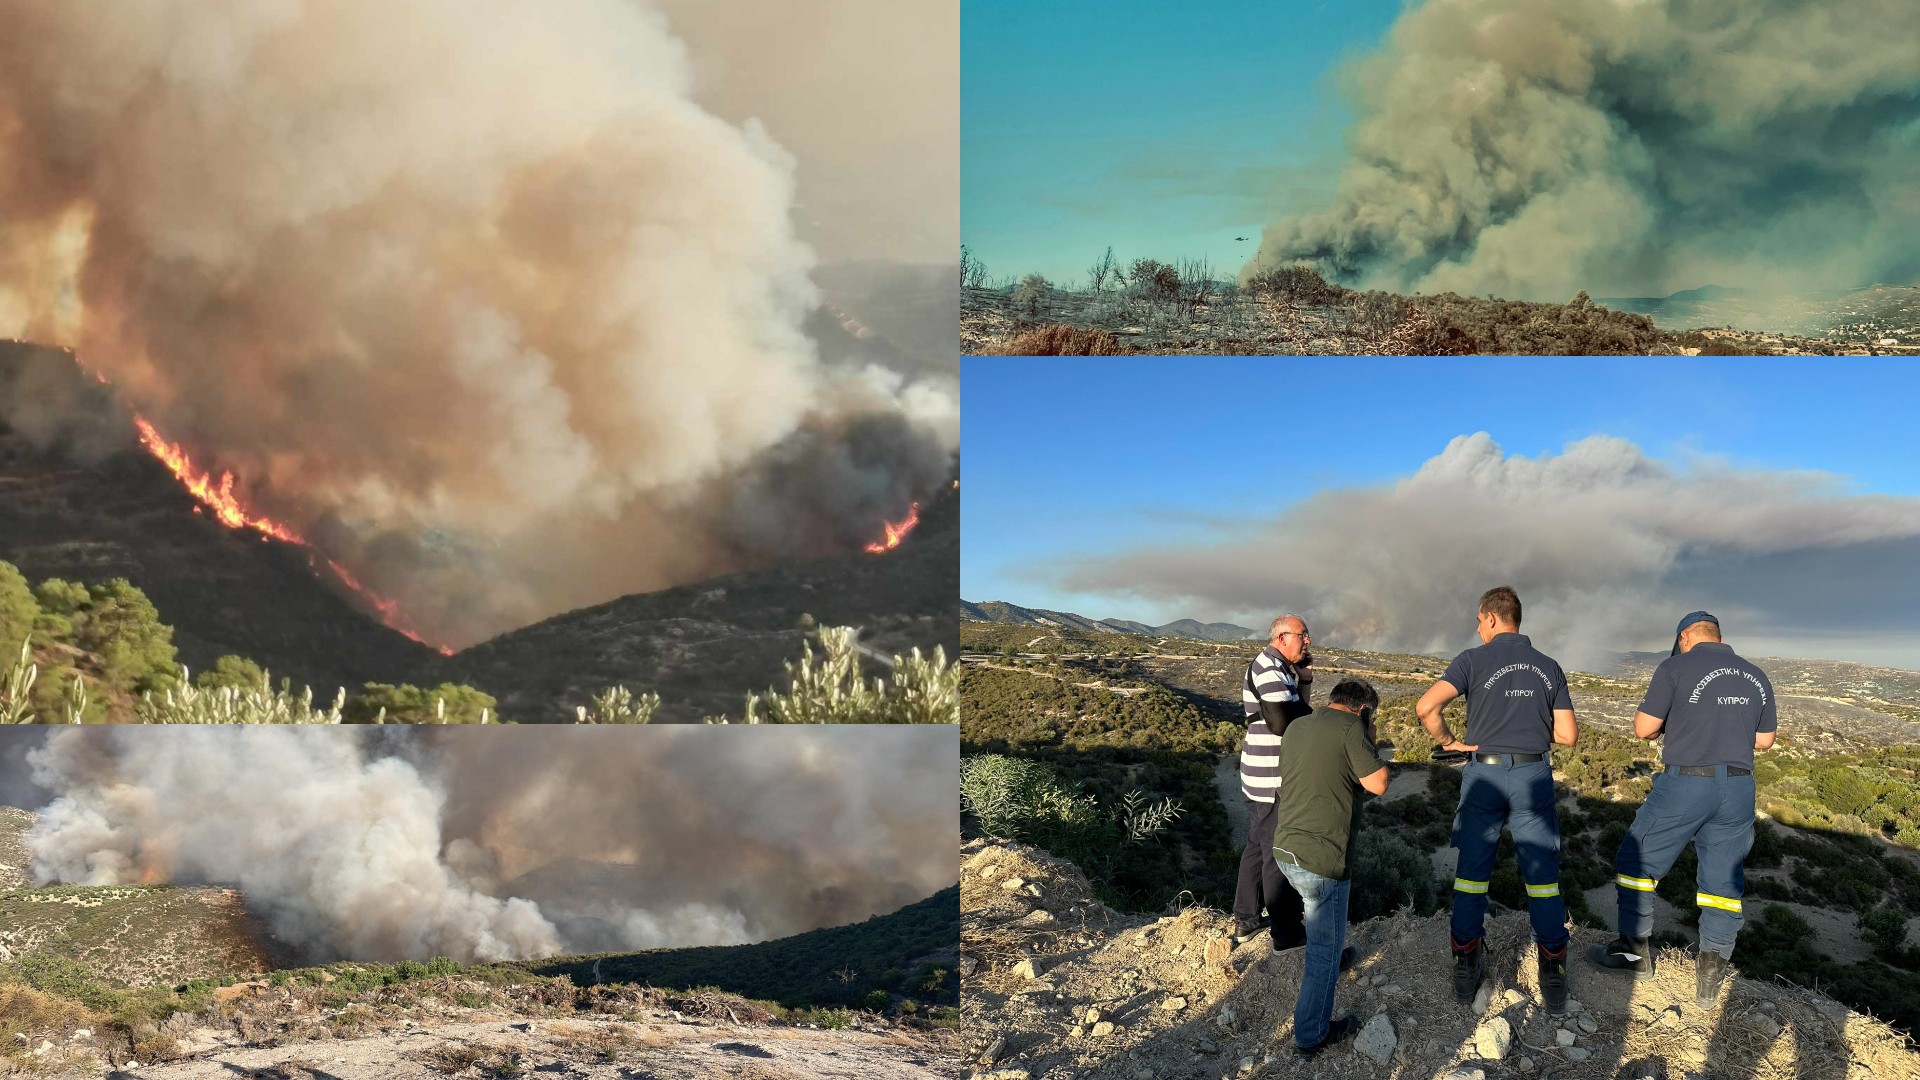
[(1716, 813), (1521, 798)]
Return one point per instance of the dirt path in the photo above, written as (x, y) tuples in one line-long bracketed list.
[(1226, 777), (595, 1049)]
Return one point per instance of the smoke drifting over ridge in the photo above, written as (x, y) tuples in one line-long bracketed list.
[(450, 289), (1626, 147), (410, 843), (1606, 547)]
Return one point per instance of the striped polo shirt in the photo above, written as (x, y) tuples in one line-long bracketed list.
[(1277, 683)]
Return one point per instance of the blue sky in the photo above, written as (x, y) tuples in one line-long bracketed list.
[(1163, 129), (1068, 462)]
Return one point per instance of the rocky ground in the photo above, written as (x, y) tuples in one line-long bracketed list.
[(286, 1034), (1059, 986)]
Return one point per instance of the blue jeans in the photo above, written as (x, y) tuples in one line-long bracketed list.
[(1325, 915), (1716, 813), (1521, 798)]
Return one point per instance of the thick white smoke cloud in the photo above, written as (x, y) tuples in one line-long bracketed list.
[(1606, 547), (388, 844), (1626, 147), (447, 286)]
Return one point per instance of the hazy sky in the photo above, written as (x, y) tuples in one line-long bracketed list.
[(1163, 129), (1617, 490)]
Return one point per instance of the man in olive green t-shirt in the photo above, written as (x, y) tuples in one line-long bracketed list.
[(1327, 759)]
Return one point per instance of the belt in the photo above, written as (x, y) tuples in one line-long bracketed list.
[(1708, 770), (1500, 759)]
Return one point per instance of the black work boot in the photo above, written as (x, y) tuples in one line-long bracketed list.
[(1553, 978), (1469, 967), (1709, 971), (1631, 956)]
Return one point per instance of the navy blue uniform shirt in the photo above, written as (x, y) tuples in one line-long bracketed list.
[(1714, 703), (1512, 690)]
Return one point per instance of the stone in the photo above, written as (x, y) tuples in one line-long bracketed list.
[(1392, 989), (1770, 1027), (1208, 1046), (1578, 1053), (1103, 1029), (1076, 1032), (1005, 1074), (1026, 969), (1092, 1015), (989, 871), (1226, 1017), (1218, 949), (1563, 1037), (1510, 996), (1013, 883), (82, 1033), (1246, 1064), (1143, 1073), (1493, 1039), (1376, 1040), (968, 965), (1378, 979), (993, 1051), (1523, 1063), (1464, 1072), (1174, 1004), (1038, 916), (1588, 1024), (1482, 999), (1573, 1005)]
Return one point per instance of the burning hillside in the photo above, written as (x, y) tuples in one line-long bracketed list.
[(441, 320)]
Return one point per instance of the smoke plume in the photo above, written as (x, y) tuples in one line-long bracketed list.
[(409, 843), (1626, 147), (449, 289), (1606, 547)]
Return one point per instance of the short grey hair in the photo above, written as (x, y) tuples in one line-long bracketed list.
[(1273, 629)]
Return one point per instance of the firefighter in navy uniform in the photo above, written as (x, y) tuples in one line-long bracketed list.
[(1517, 708), (1714, 709)]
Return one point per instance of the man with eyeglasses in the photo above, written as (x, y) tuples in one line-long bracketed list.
[(1715, 709), (1517, 708), (1276, 690)]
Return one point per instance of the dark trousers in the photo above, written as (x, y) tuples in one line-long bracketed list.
[(1716, 813), (1262, 887), (1521, 798)]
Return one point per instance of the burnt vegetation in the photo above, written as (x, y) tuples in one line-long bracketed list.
[(1155, 307)]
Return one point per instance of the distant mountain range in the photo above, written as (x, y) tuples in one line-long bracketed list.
[(999, 611)]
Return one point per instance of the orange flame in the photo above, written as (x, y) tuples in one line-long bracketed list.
[(896, 533), (220, 499)]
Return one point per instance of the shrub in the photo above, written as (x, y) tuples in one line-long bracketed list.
[(18, 610), (1389, 872), (1297, 285), (237, 672), (380, 703), (876, 1001), (1031, 293)]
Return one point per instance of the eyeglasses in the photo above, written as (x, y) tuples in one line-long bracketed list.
[(1290, 633)]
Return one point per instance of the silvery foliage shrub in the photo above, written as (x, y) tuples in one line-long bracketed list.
[(828, 688), (189, 704)]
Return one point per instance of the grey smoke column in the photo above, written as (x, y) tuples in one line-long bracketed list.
[(1626, 147), (1600, 541), (487, 844), (450, 287)]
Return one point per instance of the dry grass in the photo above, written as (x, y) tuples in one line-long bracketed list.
[(1062, 340)]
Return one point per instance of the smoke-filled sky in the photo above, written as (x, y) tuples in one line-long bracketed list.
[(383, 844), (1625, 147), (1380, 497), (451, 289)]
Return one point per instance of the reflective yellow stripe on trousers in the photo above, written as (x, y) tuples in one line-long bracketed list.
[(1641, 883), (1724, 903), (1464, 885), (1541, 891)]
